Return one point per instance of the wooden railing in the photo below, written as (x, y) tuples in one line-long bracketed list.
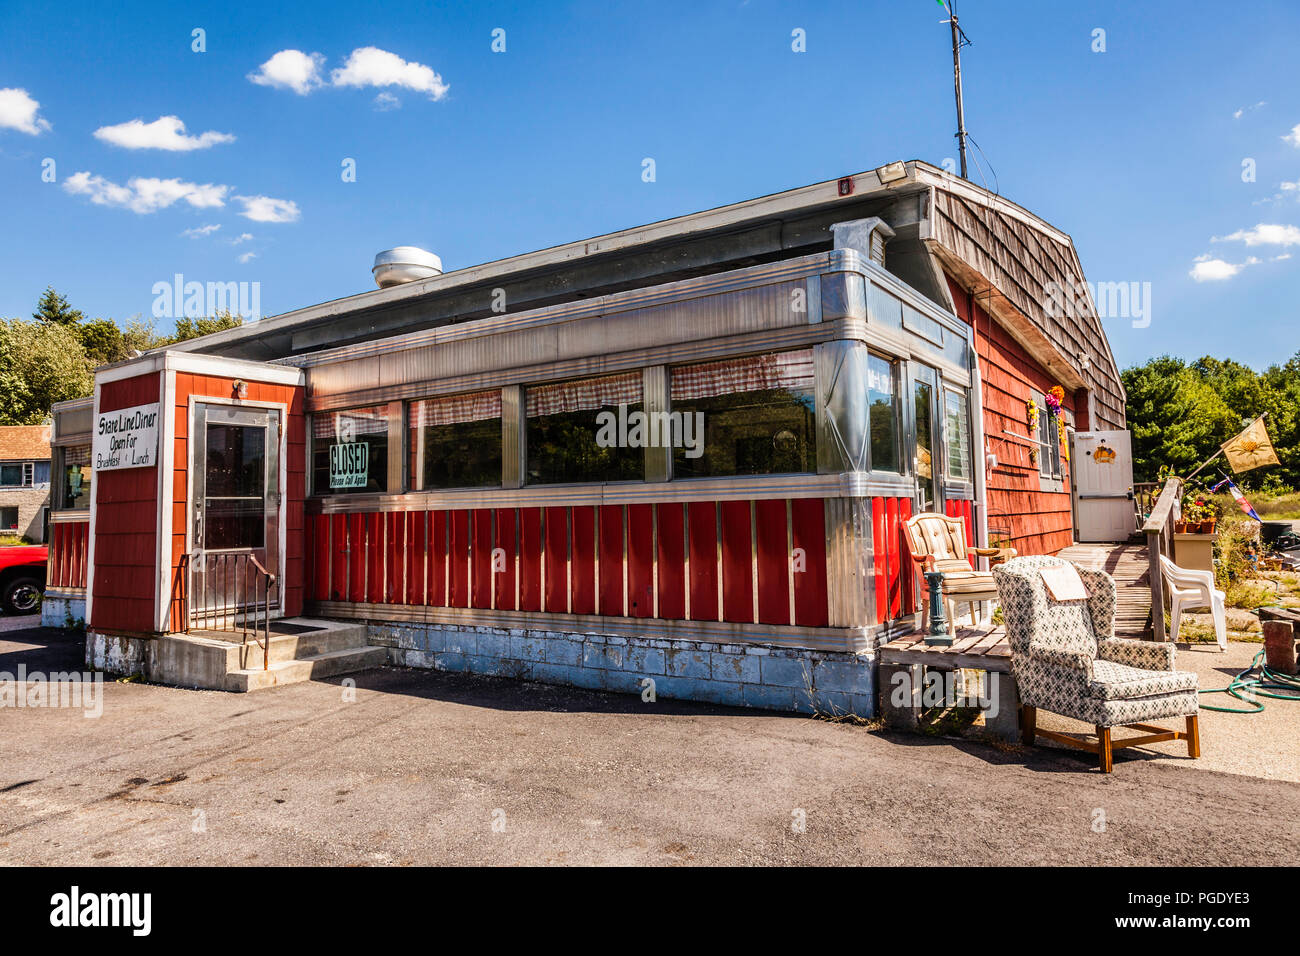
[(1145, 494), (1159, 529)]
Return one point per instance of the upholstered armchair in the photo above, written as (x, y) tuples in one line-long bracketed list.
[(938, 542), (1066, 659)]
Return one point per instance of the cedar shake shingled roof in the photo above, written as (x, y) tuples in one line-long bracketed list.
[(24, 442)]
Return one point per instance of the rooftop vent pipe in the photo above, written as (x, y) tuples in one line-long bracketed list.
[(405, 264)]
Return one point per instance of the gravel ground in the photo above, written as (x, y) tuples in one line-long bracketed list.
[(428, 768)]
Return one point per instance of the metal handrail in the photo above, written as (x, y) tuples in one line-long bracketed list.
[(234, 569)]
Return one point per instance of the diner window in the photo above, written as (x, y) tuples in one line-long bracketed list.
[(583, 430), (76, 477), (350, 451), (882, 413), (456, 441), (957, 432), (748, 416)]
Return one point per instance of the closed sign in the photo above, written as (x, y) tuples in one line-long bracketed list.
[(349, 465), (127, 438)]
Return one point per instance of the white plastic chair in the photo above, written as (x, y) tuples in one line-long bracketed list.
[(1193, 589)]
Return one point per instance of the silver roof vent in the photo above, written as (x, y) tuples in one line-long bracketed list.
[(405, 264)]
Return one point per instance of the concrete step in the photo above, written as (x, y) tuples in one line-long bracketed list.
[(313, 667), (284, 647)]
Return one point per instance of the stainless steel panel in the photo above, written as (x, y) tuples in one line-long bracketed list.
[(512, 436), (658, 458)]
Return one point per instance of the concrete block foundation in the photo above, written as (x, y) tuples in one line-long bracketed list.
[(738, 675)]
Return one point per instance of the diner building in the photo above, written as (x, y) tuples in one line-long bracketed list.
[(681, 453)]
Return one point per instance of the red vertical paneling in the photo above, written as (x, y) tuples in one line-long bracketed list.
[(702, 517), (395, 575), (808, 532), (672, 561), (320, 553), (530, 559), (881, 559), (458, 559), (503, 572), (355, 556), (907, 567), (583, 560), (557, 560), (737, 562), (417, 536), (374, 558), (640, 560), (481, 559), (338, 558), (611, 560), (773, 545), (891, 549), (437, 581)]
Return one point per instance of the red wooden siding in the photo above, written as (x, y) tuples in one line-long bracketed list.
[(962, 509), (126, 526), (671, 533), (895, 580), (551, 561), (1039, 520), (640, 561), (67, 562), (771, 533), (703, 550)]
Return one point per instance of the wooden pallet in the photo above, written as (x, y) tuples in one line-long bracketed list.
[(975, 648)]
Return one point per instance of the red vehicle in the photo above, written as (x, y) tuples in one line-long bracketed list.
[(22, 578)]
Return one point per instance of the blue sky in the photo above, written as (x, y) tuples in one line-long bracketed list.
[(1136, 152)]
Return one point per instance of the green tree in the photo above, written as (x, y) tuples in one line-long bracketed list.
[(187, 328), (40, 364), (1176, 416), (54, 309)]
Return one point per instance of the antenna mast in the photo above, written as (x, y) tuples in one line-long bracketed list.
[(959, 39)]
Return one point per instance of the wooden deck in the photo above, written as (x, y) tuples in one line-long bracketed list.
[(1130, 566)]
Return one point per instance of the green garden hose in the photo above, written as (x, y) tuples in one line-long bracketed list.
[(1257, 680)]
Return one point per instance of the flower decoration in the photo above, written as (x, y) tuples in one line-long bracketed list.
[(1055, 395), (1031, 415)]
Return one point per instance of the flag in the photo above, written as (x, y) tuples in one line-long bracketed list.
[(1242, 503), (1251, 449)]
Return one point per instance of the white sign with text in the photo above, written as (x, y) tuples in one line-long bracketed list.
[(127, 438)]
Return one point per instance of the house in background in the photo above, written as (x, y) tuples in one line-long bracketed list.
[(25, 481)]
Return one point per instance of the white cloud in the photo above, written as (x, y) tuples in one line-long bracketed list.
[(266, 209), (387, 101), (1293, 137), (18, 111), (1216, 270), (145, 195), (242, 237), (371, 66), (199, 231), (1245, 109), (166, 132), (1291, 187), (247, 257), (1265, 234), (290, 70)]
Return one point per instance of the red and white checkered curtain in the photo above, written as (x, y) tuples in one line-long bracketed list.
[(583, 394), (753, 373), (366, 421), (451, 409)]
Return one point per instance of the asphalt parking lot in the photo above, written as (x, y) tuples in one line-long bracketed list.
[(427, 768)]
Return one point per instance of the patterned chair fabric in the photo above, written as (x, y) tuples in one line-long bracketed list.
[(1066, 660)]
